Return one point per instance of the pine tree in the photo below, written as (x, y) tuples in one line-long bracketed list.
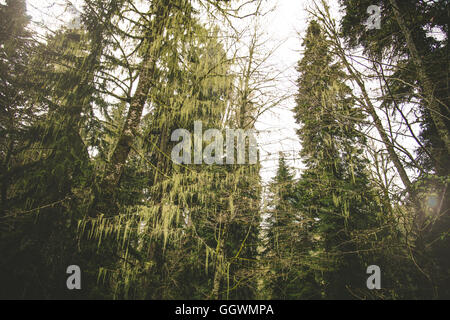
[(15, 50), (334, 190), (418, 71), (283, 246), (53, 172)]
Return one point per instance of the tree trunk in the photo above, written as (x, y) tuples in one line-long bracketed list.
[(369, 107), (423, 78), (122, 149)]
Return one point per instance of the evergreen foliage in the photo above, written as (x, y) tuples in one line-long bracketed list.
[(86, 117)]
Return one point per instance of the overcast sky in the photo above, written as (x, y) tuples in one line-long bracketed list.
[(287, 24)]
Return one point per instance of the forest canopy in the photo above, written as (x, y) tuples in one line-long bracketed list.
[(96, 105)]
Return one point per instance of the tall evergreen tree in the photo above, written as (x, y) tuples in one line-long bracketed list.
[(15, 50), (286, 240), (334, 188), (412, 48)]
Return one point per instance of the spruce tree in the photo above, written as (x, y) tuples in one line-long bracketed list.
[(334, 190), (283, 239), (416, 70)]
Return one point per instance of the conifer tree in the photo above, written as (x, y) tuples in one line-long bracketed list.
[(334, 190), (283, 239), (411, 52)]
